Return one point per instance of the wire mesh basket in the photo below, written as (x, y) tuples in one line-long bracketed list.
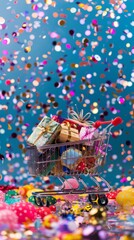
[(73, 158)]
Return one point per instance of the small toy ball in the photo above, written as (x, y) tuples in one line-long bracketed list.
[(113, 194), (25, 211), (71, 183), (50, 220), (126, 198), (2, 196), (43, 211), (4, 206), (52, 208), (8, 218)]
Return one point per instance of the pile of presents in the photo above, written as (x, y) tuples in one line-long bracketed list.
[(65, 145)]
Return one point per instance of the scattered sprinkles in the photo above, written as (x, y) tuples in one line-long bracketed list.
[(54, 56)]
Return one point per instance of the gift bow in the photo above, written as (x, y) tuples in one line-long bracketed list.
[(79, 116), (46, 129)]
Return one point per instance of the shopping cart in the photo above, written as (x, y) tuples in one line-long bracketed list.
[(53, 160)]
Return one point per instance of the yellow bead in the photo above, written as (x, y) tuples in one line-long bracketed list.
[(49, 219), (126, 238), (126, 197), (72, 237)]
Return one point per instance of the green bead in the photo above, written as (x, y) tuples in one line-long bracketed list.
[(10, 193), (31, 199), (51, 200), (12, 200)]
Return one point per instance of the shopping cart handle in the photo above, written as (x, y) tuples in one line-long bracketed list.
[(115, 122)]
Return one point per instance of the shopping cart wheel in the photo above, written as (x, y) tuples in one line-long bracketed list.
[(102, 200), (93, 198)]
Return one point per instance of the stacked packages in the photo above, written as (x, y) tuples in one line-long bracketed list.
[(64, 145)]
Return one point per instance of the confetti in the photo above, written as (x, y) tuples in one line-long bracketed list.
[(54, 56)]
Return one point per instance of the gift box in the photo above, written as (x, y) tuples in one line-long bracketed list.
[(89, 133), (87, 163), (45, 132), (68, 133), (71, 158), (58, 119)]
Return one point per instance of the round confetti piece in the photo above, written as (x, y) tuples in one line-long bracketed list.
[(61, 22), (2, 20)]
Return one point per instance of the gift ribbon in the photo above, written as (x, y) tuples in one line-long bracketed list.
[(69, 129), (46, 129), (81, 117)]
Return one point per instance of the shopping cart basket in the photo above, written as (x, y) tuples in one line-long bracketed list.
[(59, 160)]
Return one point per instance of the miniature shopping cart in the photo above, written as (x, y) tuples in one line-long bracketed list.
[(59, 160)]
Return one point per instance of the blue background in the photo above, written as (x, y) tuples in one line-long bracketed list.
[(34, 75)]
